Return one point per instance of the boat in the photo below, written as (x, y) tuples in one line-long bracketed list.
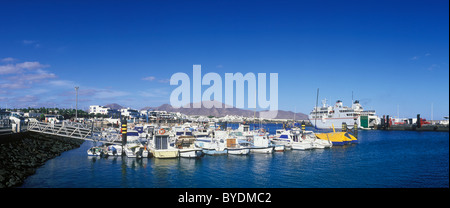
[(186, 147), (212, 146), (326, 116), (317, 142), (133, 147), (261, 144), (96, 151), (308, 140), (245, 129), (160, 145), (284, 137), (279, 148), (338, 138), (302, 145), (234, 147), (114, 150)]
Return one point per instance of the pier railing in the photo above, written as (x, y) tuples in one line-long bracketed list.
[(72, 130)]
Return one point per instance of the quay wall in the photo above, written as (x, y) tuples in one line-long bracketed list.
[(413, 127), (23, 153)]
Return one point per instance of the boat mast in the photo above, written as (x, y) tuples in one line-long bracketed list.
[(294, 114)]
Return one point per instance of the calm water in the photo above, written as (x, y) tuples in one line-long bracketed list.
[(381, 159)]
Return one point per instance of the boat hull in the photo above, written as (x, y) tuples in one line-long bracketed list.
[(328, 123), (338, 138), (302, 146), (130, 153), (165, 154), (279, 148), (266, 150), (114, 150), (191, 153), (215, 151), (238, 151)]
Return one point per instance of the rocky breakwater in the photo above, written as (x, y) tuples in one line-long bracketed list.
[(21, 154)]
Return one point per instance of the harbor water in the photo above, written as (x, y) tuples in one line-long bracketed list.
[(387, 159)]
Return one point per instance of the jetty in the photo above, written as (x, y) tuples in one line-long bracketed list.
[(418, 124)]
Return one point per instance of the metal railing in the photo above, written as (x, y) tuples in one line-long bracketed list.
[(73, 130)]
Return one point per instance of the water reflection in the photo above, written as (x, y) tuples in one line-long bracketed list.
[(393, 156)]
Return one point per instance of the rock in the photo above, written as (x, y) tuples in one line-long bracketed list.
[(23, 153)]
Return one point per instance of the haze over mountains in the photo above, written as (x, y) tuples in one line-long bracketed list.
[(217, 112)]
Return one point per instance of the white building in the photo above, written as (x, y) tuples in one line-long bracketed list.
[(98, 109), (94, 109), (130, 113)]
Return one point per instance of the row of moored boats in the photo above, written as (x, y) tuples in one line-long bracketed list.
[(192, 141)]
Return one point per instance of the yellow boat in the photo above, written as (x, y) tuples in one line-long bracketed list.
[(337, 138)]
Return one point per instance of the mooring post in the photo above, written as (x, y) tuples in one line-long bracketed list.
[(418, 121), (303, 126), (344, 127), (124, 134), (355, 130)]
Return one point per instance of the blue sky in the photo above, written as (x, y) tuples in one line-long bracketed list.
[(389, 53)]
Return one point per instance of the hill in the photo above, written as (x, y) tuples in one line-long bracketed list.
[(114, 106), (220, 112)]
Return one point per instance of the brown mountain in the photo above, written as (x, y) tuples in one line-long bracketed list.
[(114, 106), (219, 112)]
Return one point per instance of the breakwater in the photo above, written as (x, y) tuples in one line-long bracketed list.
[(23, 153)]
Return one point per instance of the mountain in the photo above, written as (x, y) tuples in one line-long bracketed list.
[(220, 112), (114, 106)]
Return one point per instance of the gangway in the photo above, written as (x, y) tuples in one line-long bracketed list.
[(74, 130)]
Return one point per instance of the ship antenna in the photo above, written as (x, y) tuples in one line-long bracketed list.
[(317, 100), (352, 96)]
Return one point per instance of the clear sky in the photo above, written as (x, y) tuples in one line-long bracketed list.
[(391, 54)]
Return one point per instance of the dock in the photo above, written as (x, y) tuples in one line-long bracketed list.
[(410, 125)]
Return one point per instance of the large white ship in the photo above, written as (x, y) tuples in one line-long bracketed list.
[(326, 116)]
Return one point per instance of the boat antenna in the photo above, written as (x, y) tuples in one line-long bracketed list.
[(317, 100)]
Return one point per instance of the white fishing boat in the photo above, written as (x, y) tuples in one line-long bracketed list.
[(234, 147), (261, 144), (245, 129), (187, 148), (211, 146), (326, 116)]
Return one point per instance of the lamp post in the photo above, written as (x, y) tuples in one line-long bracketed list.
[(76, 104)]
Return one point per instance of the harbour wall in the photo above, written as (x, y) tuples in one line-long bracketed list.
[(414, 127), (23, 153)]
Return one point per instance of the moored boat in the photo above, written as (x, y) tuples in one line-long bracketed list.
[(186, 147), (133, 147), (235, 148), (160, 145), (95, 151), (114, 150), (337, 138), (261, 144), (212, 146)]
